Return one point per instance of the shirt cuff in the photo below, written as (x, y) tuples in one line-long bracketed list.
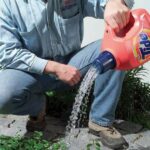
[(38, 65), (129, 3)]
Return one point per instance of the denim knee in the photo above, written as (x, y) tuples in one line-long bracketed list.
[(11, 99)]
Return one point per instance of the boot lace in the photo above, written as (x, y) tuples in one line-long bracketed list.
[(112, 130)]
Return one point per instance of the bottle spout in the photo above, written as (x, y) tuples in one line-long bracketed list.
[(104, 62)]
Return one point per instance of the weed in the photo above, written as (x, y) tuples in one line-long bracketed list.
[(35, 142), (134, 104), (94, 144)]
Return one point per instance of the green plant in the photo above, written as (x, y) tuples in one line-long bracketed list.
[(94, 144), (134, 104), (35, 142), (60, 103), (60, 145)]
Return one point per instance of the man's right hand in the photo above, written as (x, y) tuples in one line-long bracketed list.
[(66, 73), (116, 14)]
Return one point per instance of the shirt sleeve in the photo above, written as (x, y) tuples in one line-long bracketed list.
[(93, 8), (12, 53)]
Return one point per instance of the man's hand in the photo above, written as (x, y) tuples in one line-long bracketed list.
[(116, 14), (66, 73)]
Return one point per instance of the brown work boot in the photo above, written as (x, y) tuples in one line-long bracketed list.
[(109, 136), (37, 123)]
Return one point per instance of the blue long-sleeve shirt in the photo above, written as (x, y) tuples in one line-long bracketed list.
[(32, 31)]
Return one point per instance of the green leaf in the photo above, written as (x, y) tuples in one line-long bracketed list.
[(97, 146), (88, 146)]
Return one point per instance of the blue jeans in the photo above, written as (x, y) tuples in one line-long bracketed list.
[(22, 93)]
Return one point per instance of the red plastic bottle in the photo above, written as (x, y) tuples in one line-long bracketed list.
[(131, 46)]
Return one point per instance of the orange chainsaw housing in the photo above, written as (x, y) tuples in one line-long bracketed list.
[(131, 46)]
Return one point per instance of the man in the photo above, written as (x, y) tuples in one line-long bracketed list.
[(40, 51)]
